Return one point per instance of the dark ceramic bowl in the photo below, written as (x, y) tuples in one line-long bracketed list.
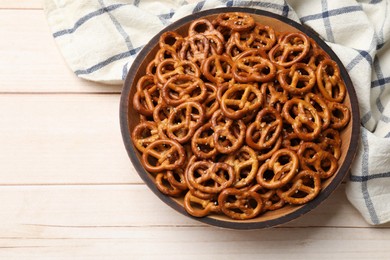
[(129, 119)]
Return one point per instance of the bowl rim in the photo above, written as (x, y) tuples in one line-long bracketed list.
[(341, 173)]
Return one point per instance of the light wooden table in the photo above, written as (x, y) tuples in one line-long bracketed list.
[(68, 189)]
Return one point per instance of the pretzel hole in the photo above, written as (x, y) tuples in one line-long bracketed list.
[(252, 203), (338, 113), (206, 148), (284, 159), (268, 175), (326, 165), (329, 71), (152, 160), (201, 28), (170, 40)]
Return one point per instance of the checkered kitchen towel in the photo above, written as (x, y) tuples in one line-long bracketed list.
[(100, 39)]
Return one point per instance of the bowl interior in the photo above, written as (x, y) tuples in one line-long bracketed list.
[(130, 118)]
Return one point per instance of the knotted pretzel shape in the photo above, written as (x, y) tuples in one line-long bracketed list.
[(262, 37), (304, 188), (195, 48), (298, 79), (253, 69), (292, 48), (204, 27), (218, 68), (165, 186), (274, 95), (171, 39), (279, 170), (339, 115), (330, 141), (265, 130), (235, 21), (303, 117), (270, 199), (181, 88), (241, 99), (147, 96), (171, 67), (144, 134), (184, 120), (239, 204), (313, 157), (329, 82), (209, 177), (245, 164), (198, 207), (202, 142), (322, 108), (228, 134), (163, 155)]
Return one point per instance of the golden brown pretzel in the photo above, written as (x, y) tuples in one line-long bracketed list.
[(265, 130), (163, 155), (340, 115), (181, 88), (195, 48), (270, 199), (205, 27), (253, 69), (147, 96), (274, 95), (228, 134), (304, 188), (235, 21), (171, 39), (217, 68), (322, 108), (239, 204), (202, 143), (171, 67), (306, 122), (245, 165), (184, 120), (164, 185), (329, 82), (298, 79), (198, 207), (241, 99), (313, 157), (292, 48), (330, 141), (144, 134), (279, 170), (209, 177)]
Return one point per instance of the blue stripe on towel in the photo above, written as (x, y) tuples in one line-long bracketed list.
[(87, 17)]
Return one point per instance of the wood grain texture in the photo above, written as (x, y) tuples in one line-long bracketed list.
[(30, 60), (130, 206), (69, 191), (68, 139)]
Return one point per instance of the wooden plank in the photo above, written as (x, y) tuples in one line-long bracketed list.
[(198, 242), (30, 60), (21, 4), (124, 221), (49, 139), (68, 206)]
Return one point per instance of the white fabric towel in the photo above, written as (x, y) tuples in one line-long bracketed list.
[(100, 39)]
